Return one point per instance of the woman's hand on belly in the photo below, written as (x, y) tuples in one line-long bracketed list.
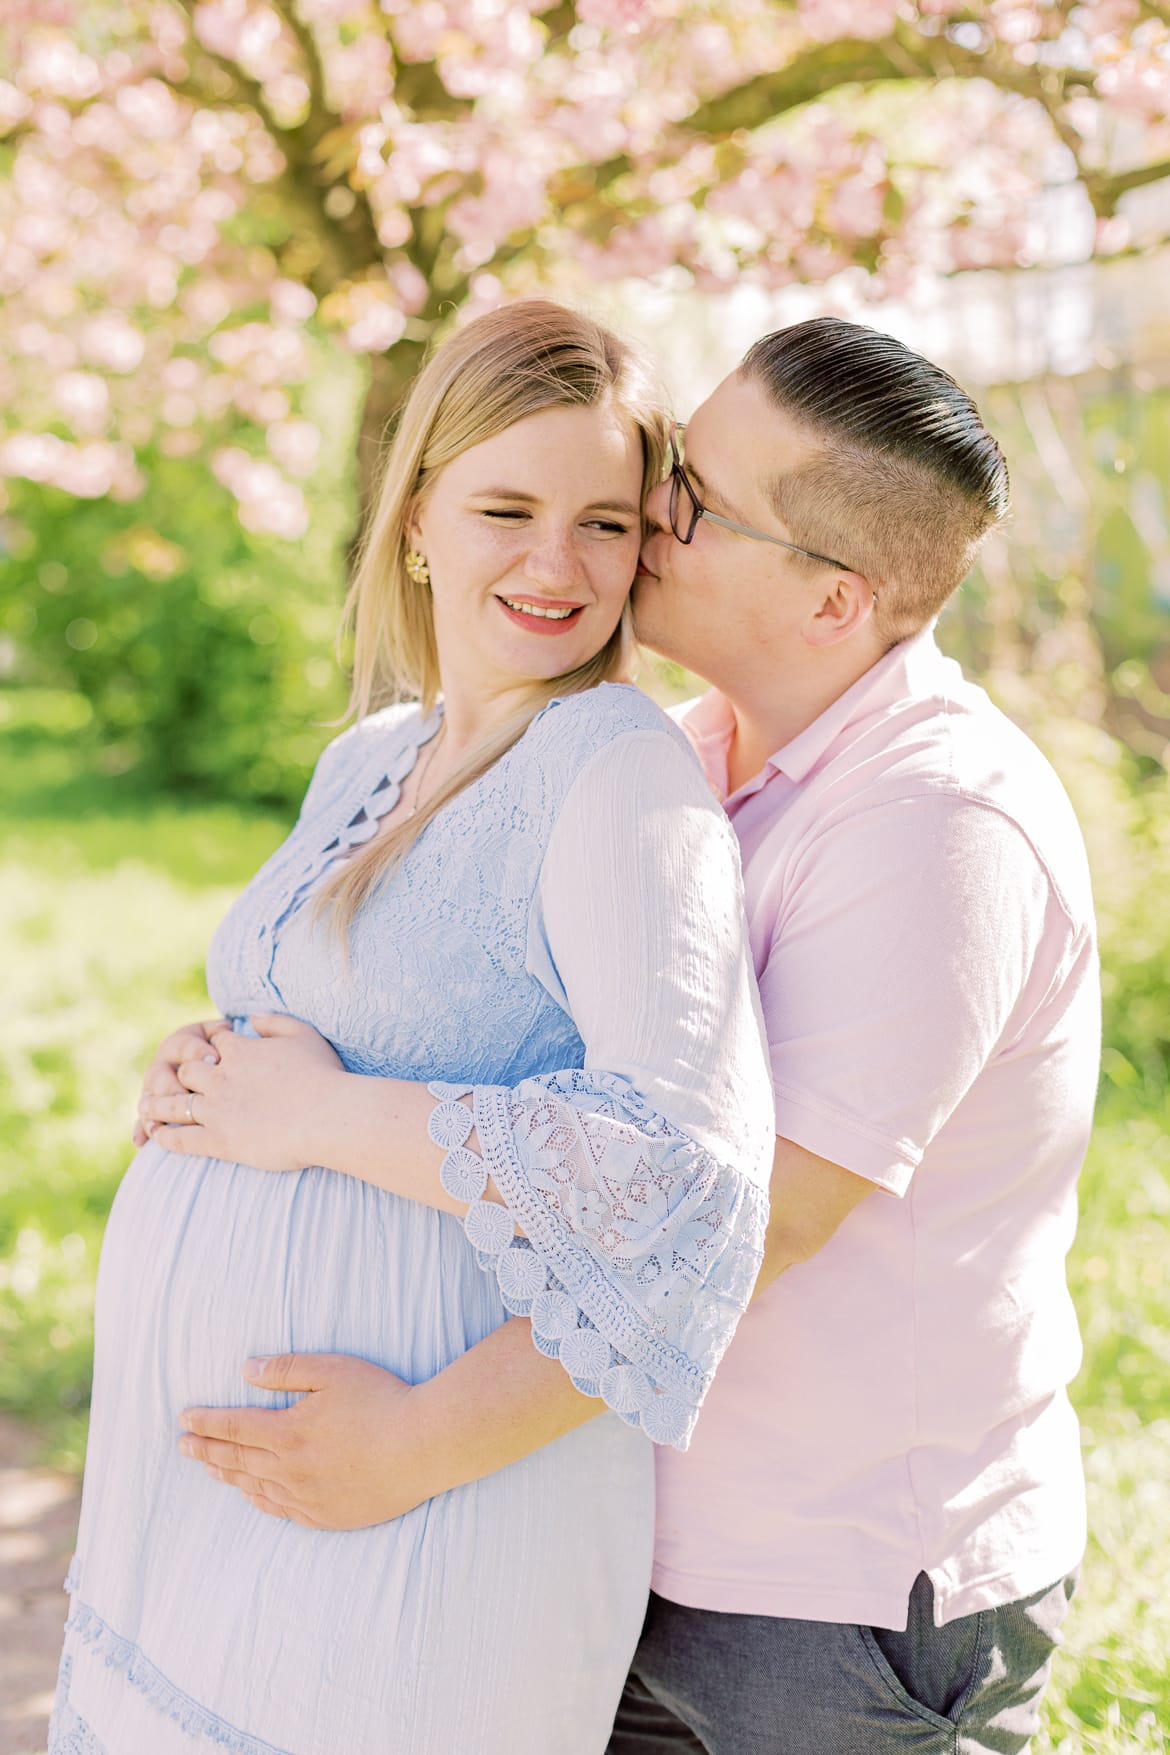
[(257, 1103), (161, 1079)]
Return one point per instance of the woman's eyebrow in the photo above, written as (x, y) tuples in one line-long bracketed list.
[(505, 493), (523, 499)]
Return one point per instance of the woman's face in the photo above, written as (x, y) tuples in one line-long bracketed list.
[(532, 539)]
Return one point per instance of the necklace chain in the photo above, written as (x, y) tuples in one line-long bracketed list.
[(421, 769)]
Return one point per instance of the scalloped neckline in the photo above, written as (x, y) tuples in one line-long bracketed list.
[(381, 798)]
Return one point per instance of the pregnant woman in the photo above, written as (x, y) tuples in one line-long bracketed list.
[(527, 1079)]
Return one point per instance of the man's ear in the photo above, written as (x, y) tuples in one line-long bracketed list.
[(845, 607)]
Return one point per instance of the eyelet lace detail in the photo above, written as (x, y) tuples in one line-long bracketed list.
[(639, 1250)]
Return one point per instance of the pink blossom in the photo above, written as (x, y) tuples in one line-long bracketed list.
[(56, 66), (856, 205), (419, 29), (1102, 18), (826, 19), (151, 268), (220, 26), (1135, 84), (612, 15), (410, 285), (149, 110), (376, 329), (14, 106), (368, 314), (291, 302), (31, 455), (84, 400), (334, 11), (268, 503), (110, 340), (296, 445), (179, 409), (88, 472)]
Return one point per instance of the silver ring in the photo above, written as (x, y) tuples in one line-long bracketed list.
[(190, 1108)]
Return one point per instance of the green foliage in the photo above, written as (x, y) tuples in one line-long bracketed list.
[(199, 653), (1125, 814), (1074, 595)]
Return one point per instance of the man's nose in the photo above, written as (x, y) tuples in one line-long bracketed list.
[(657, 512)]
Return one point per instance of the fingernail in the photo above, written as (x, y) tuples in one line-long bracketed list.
[(257, 1366), (211, 1059), (186, 1448)]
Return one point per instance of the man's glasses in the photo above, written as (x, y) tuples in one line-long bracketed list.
[(686, 509)]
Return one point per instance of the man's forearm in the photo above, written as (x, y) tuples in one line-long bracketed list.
[(496, 1403), (809, 1198)]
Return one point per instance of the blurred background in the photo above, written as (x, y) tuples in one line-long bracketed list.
[(228, 231)]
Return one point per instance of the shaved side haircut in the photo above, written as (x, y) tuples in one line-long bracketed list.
[(906, 481)]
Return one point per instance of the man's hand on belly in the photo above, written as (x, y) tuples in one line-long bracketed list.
[(363, 1447), (354, 1451)]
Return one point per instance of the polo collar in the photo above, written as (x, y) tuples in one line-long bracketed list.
[(913, 668)]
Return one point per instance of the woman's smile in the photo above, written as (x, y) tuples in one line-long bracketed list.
[(541, 615)]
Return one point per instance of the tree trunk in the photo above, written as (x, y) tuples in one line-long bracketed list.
[(391, 375)]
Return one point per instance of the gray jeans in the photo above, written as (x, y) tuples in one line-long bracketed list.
[(708, 1683)]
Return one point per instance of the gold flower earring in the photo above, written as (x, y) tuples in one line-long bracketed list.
[(417, 570)]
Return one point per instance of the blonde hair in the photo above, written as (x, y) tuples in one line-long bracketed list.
[(499, 369)]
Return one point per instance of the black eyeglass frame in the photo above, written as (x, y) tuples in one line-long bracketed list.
[(680, 479)]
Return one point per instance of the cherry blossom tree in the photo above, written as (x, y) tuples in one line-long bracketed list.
[(193, 189)]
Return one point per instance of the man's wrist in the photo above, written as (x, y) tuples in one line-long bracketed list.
[(435, 1437)]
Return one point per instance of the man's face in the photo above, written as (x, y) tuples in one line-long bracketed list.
[(722, 599)]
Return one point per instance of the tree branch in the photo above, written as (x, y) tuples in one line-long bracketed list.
[(310, 53), (250, 89), (904, 56), (807, 76), (1107, 191), (351, 243)]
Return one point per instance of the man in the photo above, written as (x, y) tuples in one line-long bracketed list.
[(871, 1543)]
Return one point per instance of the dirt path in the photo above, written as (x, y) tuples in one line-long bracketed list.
[(38, 1518)]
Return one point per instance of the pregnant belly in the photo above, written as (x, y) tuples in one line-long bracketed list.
[(417, 1635), (215, 1262)]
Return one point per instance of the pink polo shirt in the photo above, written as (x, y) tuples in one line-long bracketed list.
[(922, 929)]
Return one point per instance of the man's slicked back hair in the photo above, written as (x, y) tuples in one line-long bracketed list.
[(906, 481)]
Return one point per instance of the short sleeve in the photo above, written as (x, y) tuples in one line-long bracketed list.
[(912, 939), (639, 1181)]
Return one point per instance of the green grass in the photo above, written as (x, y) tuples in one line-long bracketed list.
[(107, 901)]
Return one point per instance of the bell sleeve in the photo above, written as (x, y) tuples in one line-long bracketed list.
[(638, 1182)]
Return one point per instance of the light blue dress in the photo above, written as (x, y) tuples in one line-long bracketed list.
[(566, 938)]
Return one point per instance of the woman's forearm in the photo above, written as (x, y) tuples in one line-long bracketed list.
[(376, 1129)]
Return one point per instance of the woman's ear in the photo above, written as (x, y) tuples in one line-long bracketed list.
[(845, 607)]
